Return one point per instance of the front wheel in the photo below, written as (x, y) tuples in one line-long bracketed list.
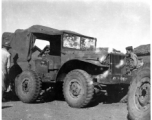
[(78, 88), (139, 95)]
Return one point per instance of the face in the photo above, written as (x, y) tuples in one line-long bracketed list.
[(128, 51), (8, 48)]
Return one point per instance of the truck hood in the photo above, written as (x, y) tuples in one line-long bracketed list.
[(87, 55), (92, 55)]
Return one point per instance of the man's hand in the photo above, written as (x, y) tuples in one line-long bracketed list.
[(9, 88), (120, 64)]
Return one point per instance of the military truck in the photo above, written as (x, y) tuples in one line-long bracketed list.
[(73, 60)]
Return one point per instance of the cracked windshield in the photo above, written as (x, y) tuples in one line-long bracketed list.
[(76, 42)]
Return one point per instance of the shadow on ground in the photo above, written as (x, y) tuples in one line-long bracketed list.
[(55, 93), (10, 96), (48, 96), (3, 107)]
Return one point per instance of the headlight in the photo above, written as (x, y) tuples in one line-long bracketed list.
[(102, 58)]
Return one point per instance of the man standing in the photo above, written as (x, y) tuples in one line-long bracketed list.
[(5, 64), (133, 61)]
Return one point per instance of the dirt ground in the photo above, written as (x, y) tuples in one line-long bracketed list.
[(59, 110)]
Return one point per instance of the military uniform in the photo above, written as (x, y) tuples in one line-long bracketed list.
[(133, 56)]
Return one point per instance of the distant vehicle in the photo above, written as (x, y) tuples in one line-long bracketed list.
[(73, 60)]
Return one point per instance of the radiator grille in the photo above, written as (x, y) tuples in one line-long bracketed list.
[(115, 60)]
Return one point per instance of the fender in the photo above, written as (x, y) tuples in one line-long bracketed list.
[(89, 61), (92, 61)]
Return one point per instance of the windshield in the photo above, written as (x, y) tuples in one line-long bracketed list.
[(77, 42)]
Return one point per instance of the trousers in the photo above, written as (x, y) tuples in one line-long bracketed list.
[(3, 82)]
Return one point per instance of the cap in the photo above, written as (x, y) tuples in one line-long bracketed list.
[(129, 48)]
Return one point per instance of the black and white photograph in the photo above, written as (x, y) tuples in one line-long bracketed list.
[(75, 60)]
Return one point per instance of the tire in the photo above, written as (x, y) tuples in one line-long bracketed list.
[(78, 88), (28, 86), (59, 87), (139, 95)]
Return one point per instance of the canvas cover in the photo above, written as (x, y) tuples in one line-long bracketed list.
[(142, 50), (51, 31), (22, 41)]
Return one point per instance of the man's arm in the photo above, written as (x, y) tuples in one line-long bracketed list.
[(135, 59), (8, 63), (8, 68)]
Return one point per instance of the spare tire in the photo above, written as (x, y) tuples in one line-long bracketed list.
[(139, 95), (28, 86)]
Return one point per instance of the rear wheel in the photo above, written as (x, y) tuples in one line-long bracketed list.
[(139, 95), (28, 86), (78, 88)]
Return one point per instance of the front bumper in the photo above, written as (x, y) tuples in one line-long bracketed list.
[(114, 79)]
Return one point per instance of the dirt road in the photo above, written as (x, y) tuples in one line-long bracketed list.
[(59, 110)]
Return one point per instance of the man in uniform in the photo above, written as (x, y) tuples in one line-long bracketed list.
[(133, 56), (5, 65), (134, 64)]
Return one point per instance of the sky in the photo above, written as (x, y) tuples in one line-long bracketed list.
[(115, 23)]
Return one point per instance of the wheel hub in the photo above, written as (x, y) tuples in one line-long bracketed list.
[(143, 95), (25, 85), (75, 88)]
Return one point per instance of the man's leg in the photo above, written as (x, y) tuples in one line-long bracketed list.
[(3, 86), (7, 83)]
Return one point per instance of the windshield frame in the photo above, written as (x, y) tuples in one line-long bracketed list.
[(81, 36)]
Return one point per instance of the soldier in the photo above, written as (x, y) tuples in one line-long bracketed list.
[(133, 56), (5, 65)]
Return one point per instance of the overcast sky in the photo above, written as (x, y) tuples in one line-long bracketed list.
[(115, 23)]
